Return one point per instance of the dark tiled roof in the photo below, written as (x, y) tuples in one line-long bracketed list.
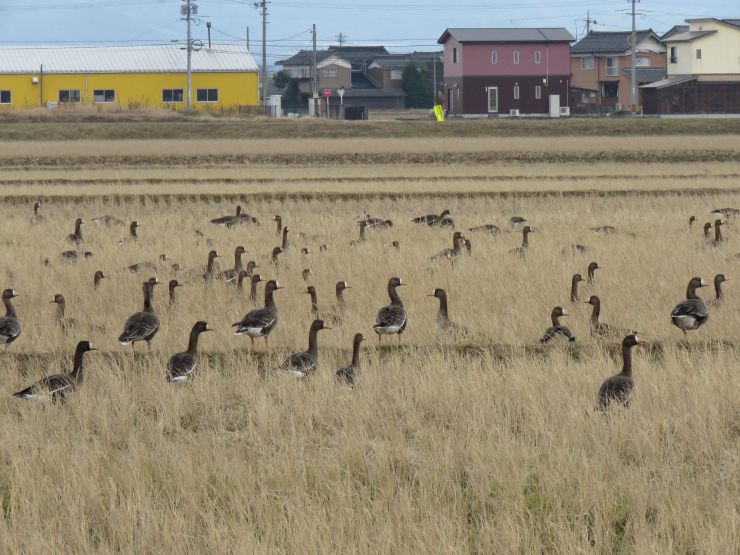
[(508, 34), (305, 58), (391, 61), (603, 42), (646, 74), (425, 56), (362, 81), (735, 22), (359, 53), (676, 30)]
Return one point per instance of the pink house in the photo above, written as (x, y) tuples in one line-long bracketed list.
[(494, 71)]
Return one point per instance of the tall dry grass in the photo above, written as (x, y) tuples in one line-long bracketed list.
[(488, 447)]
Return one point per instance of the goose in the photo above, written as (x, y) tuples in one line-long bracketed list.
[(306, 274), (391, 318), (10, 327), (323, 248), (456, 249), (37, 218), (377, 223), (254, 281), (181, 365), (707, 227), (692, 313), (718, 239), (76, 237), (232, 274), (108, 220), (223, 220), (430, 219), (362, 234), (339, 289), (139, 266), (370, 221), (574, 287), (62, 322), (619, 388), (604, 230), (348, 375), (305, 251), (442, 321), (173, 285), (58, 386), (445, 222), (74, 256), (210, 267), (717, 300), (591, 269), (144, 325), (517, 222), (575, 249), (132, 230), (260, 322), (274, 256), (99, 276), (598, 329), (243, 218), (487, 228), (692, 219), (556, 330), (286, 244), (522, 251), (279, 221), (725, 212), (396, 245), (306, 363)]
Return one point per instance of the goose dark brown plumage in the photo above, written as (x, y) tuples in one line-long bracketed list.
[(575, 280), (349, 375), (522, 251), (456, 249), (140, 266), (692, 313), (260, 322), (707, 227), (62, 322), (224, 220), (597, 328), (430, 219), (279, 221), (76, 237), (132, 230), (306, 274), (99, 276), (173, 285), (618, 389), (181, 365), (716, 302), (487, 228), (10, 326), (232, 274), (144, 325), (442, 321), (58, 386), (37, 218), (306, 363), (557, 330), (591, 269), (718, 239), (275, 253), (392, 319)]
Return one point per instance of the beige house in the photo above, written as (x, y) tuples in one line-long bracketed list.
[(334, 69)]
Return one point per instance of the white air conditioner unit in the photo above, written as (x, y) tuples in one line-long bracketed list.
[(618, 107), (514, 113), (565, 110)]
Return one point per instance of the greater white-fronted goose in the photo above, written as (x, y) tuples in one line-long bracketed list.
[(99, 275), (574, 287), (557, 331), (456, 249), (619, 388), (305, 251), (323, 248), (253, 283), (74, 256), (348, 375), (279, 221), (487, 228), (396, 245), (306, 274), (718, 239), (707, 235), (725, 212), (468, 245), (522, 251), (442, 321), (76, 237), (144, 325), (716, 302), (575, 249), (58, 386), (692, 220), (605, 331), (377, 223), (211, 266), (692, 313), (242, 219), (445, 221), (315, 312), (604, 230), (37, 218), (62, 322), (132, 230), (232, 274), (173, 285), (251, 265), (274, 256), (286, 244), (362, 225), (591, 269), (140, 266), (430, 219), (306, 363), (391, 319), (10, 326), (260, 322), (108, 220), (517, 221), (223, 220), (339, 288), (181, 365), (370, 221)]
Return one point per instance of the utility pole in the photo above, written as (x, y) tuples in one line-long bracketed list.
[(314, 76), (208, 25), (341, 38), (188, 10), (589, 21), (263, 6), (633, 40)]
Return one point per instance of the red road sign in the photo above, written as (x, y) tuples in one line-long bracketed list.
[(327, 93)]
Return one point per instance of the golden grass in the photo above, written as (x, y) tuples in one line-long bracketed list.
[(488, 447)]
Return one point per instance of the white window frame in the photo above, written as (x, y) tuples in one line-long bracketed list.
[(396, 74), (10, 96), (494, 57), (538, 91), (612, 70), (330, 72), (642, 61), (516, 56), (587, 62), (516, 92), (97, 93), (495, 93), (172, 92), (537, 57), (209, 95), (74, 94)]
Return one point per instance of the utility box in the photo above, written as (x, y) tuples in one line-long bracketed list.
[(554, 105), (275, 102)]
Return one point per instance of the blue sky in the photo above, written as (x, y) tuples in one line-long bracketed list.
[(403, 25)]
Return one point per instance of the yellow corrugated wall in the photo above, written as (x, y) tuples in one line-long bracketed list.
[(133, 89)]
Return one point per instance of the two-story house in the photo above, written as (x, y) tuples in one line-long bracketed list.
[(601, 64), (334, 70), (495, 71), (703, 75), (387, 69)]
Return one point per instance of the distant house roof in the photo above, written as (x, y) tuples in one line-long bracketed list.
[(508, 34), (124, 59), (359, 53), (646, 74), (390, 61), (426, 56), (361, 81), (735, 22), (305, 58), (675, 30), (605, 42), (690, 36), (674, 80)]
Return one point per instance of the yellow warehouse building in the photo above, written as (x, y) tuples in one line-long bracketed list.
[(223, 77)]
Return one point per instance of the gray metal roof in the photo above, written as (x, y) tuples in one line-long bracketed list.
[(359, 53), (508, 34), (675, 80), (359, 80), (123, 59), (690, 36), (305, 58), (675, 30), (646, 74), (604, 42)]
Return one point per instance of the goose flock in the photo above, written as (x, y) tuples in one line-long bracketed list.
[(392, 319)]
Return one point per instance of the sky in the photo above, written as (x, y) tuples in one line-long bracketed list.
[(402, 26)]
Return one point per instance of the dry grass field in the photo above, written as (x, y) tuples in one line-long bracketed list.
[(487, 444)]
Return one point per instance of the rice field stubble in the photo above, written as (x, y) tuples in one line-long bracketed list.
[(489, 445)]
